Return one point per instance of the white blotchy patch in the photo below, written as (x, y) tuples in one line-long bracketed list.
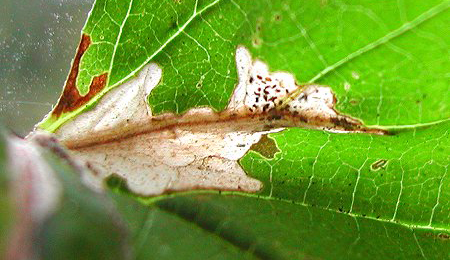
[(118, 109), (259, 90), (181, 158), (314, 101), (355, 75), (153, 159), (200, 149)]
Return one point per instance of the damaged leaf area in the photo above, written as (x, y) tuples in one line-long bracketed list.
[(71, 98), (311, 120), (125, 36), (200, 149), (111, 52)]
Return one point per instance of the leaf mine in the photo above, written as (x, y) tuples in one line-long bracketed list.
[(201, 148), (275, 96), (71, 98), (379, 164)]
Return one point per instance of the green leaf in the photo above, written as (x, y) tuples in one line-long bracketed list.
[(392, 56), (123, 37), (342, 196), (160, 234), (401, 178), (230, 227)]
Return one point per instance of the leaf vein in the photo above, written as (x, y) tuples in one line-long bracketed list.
[(386, 38)]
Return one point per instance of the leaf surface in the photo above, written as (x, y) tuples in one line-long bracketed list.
[(219, 227), (386, 63)]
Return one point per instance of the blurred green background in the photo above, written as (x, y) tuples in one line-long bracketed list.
[(38, 39)]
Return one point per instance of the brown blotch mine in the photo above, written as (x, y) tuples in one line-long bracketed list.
[(71, 98), (266, 146)]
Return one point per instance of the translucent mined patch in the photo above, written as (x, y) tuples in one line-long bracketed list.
[(198, 150), (118, 109), (201, 148), (259, 90), (179, 158)]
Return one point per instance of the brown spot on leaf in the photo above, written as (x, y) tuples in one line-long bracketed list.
[(354, 102), (342, 122), (277, 17), (266, 146), (379, 164), (441, 236), (71, 98), (302, 118)]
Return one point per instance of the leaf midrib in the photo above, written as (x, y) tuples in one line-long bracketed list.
[(354, 215), (430, 13), (425, 16), (297, 203)]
